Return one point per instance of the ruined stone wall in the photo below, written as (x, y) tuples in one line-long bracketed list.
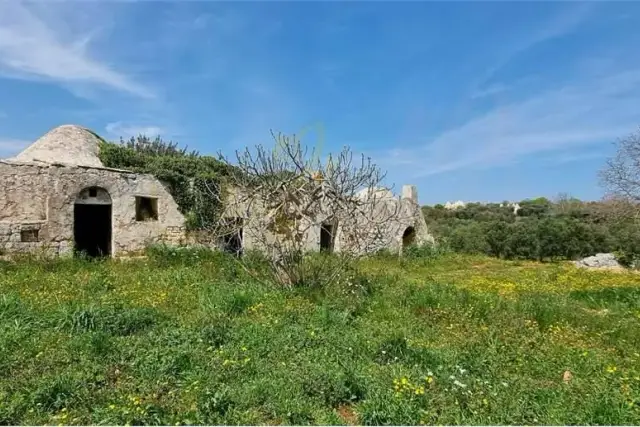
[(404, 209), (43, 196), (378, 234)]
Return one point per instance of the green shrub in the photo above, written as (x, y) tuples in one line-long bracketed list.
[(627, 243), (469, 238), (523, 240), (216, 333), (188, 176), (497, 236)]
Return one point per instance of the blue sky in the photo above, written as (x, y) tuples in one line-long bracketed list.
[(469, 101)]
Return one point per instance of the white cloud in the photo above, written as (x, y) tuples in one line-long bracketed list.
[(11, 147), (36, 46), (594, 112), (126, 130)]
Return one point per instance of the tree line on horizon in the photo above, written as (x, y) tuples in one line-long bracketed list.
[(541, 229), (566, 228)]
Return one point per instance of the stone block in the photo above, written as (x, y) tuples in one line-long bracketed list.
[(65, 247), (5, 229), (410, 192)]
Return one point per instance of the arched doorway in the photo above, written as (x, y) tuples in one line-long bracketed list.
[(92, 222), (408, 237)]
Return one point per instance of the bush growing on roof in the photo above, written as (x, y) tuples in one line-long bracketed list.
[(188, 176)]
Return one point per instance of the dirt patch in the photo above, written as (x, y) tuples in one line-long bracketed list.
[(348, 415)]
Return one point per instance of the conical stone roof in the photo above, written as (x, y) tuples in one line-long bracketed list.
[(67, 144)]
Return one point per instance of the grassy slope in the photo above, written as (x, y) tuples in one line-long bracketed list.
[(457, 340)]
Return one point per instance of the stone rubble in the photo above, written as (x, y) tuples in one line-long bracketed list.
[(599, 261)]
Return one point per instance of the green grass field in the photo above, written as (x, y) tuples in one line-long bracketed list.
[(189, 339)]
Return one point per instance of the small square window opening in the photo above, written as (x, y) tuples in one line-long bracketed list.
[(146, 209), (29, 235), (93, 192)]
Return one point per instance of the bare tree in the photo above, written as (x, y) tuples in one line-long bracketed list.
[(621, 177), (283, 201)]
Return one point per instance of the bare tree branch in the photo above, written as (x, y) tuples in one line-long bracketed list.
[(621, 176), (280, 199)]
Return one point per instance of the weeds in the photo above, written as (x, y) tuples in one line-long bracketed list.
[(187, 337)]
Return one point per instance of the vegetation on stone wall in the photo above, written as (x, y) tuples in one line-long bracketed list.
[(542, 229), (188, 176)]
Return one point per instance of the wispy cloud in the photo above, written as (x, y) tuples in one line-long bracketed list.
[(35, 46), (11, 147), (575, 157), (490, 90), (559, 25), (595, 111), (126, 130)]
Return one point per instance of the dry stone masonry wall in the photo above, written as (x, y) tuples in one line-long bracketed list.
[(57, 191), (42, 197)]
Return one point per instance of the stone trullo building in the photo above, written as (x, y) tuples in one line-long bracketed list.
[(57, 195)]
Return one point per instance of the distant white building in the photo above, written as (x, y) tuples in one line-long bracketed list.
[(516, 207), (452, 206)]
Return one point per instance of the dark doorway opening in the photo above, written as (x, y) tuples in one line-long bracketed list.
[(408, 237), (92, 229), (232, 241), (326, 238)]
